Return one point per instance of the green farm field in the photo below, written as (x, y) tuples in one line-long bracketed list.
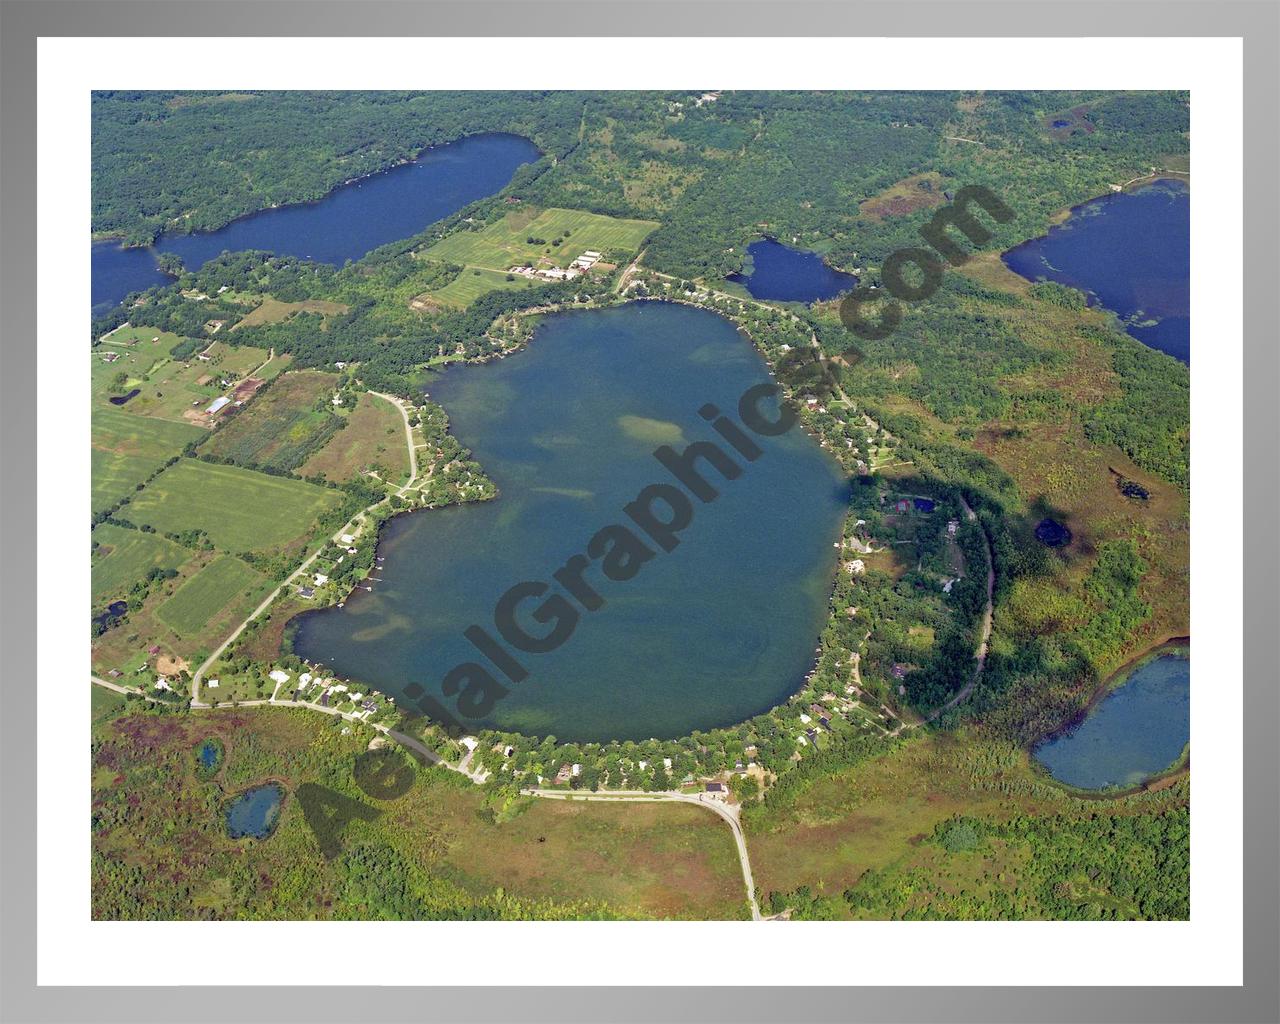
[(207, 593), (474, 282), (127, 449), (239, 509), (125, 556), (504, 244)]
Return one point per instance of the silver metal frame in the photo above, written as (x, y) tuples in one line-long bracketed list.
[(1258, 23)]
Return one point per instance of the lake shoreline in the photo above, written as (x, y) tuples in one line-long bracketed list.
[(381, 537), (1176, 646), (1060, 217), (176, 231)]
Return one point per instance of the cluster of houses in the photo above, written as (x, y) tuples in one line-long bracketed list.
[(322, 691)]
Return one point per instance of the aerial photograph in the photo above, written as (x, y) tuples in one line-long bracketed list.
[(689, 505)]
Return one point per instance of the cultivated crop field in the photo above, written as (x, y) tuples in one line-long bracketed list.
[(505, 243), (125, 556), (201, 598), (474, 282), (239, 509), (127, 449), (282, 426)]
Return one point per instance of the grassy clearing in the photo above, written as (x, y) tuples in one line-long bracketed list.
[(505, 243), (273, 311), (207, 593), (918, 192), (125, 556), (239, 509), (373, 439), (669, 861), (280, 427)]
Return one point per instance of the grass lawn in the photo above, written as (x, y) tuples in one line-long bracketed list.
[(372, 439), (203, 596), (240, 509), (281, 425), (143, 337), (474, 282), (504, 244), (126, 556)]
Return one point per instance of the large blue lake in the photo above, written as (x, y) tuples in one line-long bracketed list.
[(784, 274), (1129, 252), (710, 633), (345, 225), (1135, 731)]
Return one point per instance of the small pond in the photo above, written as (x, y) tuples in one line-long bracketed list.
[(114, 610), (121, 399), (779, 272), (209, 754), (1137, 730), (1052, 533), (255, 812)]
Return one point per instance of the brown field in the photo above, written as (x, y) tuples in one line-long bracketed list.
[(665, 861), (918, 192), (373, 439)]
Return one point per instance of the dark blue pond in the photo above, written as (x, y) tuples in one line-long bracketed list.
[(710, 633), (343, 226), (255, 812), (791, 275), (114, 610), (1129, 252), (1135, 731)]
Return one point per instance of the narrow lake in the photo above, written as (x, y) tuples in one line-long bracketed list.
[(1137, 730), (784, 274), (344, 225), (1129, 252), (254, 812), (710, 633)]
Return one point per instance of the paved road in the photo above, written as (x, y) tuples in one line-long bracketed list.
[(728, 812), (404, 740), (349, 527)]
